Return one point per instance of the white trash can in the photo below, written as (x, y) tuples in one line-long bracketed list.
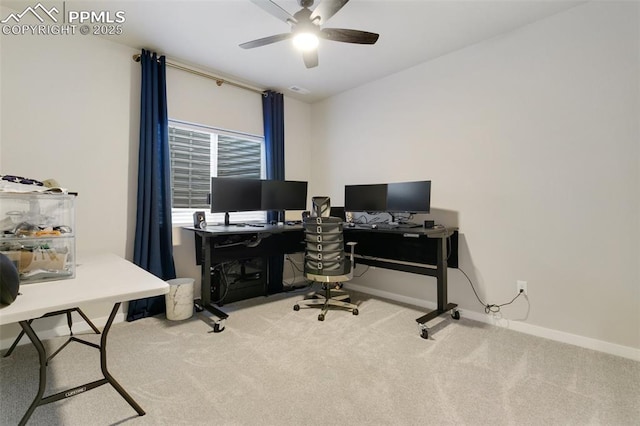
[(179, 300)]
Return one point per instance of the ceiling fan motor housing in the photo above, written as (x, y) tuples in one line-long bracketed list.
[(306, 28), (304, 22)]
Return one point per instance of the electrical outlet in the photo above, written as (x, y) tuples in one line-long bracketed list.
[(521, 287)]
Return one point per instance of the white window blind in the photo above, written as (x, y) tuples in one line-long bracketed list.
[(190, 167), (199, 153)]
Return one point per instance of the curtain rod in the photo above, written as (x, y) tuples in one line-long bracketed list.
[(219, 81)]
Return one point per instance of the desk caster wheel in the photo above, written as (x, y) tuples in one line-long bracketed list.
[(424, 331), (198, 307), (321, 317), (455, 314), (355, 312), (296, 307), (218, 327)]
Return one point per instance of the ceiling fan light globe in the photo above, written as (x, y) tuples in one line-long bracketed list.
[(306, 41)]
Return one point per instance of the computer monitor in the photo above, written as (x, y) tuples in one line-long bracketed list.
[(365, 198), (283, 195), (229, 194), (410, 197)]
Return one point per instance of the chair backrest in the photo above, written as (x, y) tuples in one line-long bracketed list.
[(324, 248), (321, 206)]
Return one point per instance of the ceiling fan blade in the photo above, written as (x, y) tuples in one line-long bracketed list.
[(310, 58), (349, 36), (266, 40), (326, 9), (273, 9)]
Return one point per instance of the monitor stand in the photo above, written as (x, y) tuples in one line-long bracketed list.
[(393, 221)]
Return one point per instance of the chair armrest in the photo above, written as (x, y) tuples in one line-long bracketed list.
[(352, 244)]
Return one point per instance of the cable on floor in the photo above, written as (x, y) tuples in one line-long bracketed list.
[(290, 286), (488, 308)]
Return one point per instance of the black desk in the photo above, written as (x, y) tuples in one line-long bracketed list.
[(416, 250), (218, 244)]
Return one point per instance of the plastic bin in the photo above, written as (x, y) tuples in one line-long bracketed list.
[(179, 300)]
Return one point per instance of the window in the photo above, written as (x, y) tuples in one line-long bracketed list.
[(199, 152)]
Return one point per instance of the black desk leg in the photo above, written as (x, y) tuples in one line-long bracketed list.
[(42, 356), (205, 287), (441, 277), (442, 274)]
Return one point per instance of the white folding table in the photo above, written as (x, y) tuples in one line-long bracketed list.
[(103, 278)]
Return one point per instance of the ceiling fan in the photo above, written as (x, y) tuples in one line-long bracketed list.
[(306, 28)]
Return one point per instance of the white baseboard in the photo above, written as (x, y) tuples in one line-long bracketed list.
[(79, 326), (523, 327)]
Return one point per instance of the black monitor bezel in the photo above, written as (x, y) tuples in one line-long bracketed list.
[(365, 198), (283, 195), (416, 194), (242, 194), (388, 197)]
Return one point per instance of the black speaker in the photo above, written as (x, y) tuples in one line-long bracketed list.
[(9, 281), (199, 220)]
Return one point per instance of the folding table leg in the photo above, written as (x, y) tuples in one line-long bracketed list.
[(42, 356), (108, 378), (103, 364), (69, 323), (15, 342)]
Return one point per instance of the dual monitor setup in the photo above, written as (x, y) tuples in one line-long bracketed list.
[(392, 198), (243, 194)]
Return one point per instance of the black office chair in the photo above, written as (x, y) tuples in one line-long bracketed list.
[(325, 261)]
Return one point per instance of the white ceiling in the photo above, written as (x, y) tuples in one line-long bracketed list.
[(206, 34)]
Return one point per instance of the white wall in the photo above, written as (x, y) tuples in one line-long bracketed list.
[(531, 141), (70, 112)]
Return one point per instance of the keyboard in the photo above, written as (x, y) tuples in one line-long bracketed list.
[(382, 225), (385, 225), (409, 225)]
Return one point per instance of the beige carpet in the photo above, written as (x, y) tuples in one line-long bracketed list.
[(274, 366)]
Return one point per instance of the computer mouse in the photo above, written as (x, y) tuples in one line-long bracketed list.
[(374, 226), (352, 225)]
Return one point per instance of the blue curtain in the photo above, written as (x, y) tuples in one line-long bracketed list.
[(153, 246), (273, 119)]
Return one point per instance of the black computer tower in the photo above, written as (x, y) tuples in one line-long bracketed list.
[(238, 280)]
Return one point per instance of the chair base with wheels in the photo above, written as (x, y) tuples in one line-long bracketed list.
[(329, 298)]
